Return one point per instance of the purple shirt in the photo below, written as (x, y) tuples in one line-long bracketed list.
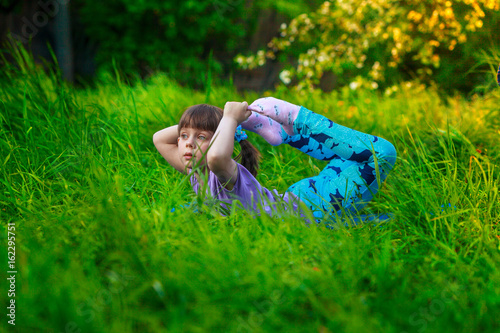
[(247, 190)]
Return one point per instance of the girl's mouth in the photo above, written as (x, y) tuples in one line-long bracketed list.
[(188, 156)]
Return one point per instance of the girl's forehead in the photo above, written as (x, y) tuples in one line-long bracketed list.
[(192, 129)]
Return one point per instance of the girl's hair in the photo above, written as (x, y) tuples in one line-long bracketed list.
[(207, 117)]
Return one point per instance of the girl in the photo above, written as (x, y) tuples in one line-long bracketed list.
[(204, 140)]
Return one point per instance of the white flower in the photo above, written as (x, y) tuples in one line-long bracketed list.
[(374, 85), (354, 85), (285, 77)]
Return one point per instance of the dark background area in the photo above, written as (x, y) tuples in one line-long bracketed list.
[(189, 39), (180, 38)]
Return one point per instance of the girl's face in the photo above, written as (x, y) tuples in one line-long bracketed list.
[(192, 144)]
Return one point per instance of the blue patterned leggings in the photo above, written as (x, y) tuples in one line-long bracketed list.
[(359, 163)]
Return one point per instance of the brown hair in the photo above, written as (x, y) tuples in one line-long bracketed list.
[(207, 117)]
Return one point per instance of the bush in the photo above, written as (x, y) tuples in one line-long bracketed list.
[(174, 36), (385, 42)]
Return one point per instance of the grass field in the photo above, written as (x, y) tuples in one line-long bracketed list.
[(98, 250)]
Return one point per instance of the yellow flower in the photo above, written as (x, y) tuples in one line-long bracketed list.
[(396, 33), (448, 13), (434, 43)]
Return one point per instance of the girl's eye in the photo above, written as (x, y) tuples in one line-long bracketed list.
[(184, 136), (202, 137)]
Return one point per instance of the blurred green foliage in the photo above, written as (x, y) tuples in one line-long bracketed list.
[(378, 43), (175, 36)]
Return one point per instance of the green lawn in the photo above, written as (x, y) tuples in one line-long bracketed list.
[(98, 250)]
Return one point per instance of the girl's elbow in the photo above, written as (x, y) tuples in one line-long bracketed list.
[(156, 139), (216, 162)]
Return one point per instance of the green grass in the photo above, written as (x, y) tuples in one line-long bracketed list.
[(98, 250)]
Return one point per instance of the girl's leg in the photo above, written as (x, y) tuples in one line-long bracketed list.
[(359, 164), (359, 161), (281, 111), (342, 185), (269, 129), (304, 126), (320, 137), (275, 135), (281, 131), (339, 141)]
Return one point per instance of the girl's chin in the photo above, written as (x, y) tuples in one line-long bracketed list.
[(190, 164)]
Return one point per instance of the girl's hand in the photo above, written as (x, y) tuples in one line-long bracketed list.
[(237, 111)]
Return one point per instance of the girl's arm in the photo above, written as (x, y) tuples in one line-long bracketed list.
[(166, 143), (219, 156)]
